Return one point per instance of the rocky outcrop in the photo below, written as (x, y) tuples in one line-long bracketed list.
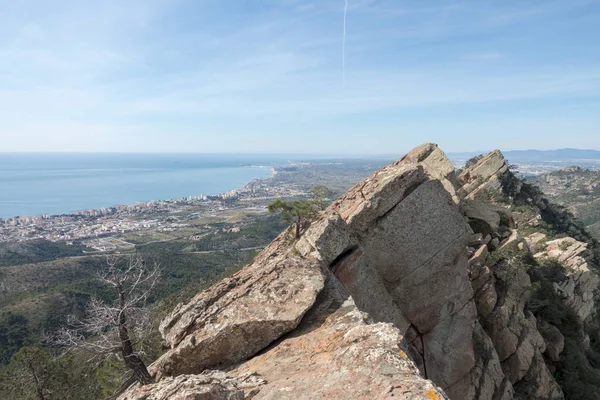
[(576, 189), (367, 244), (210, 385), (484, 178), (339, 352), (577, 289), (483, 282), (390, 293), (502, 289), (486, 218), (241, 315), (515, 335), (517, 347), (420, 265)]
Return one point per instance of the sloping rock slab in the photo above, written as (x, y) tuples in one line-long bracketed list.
[(211, 385), (374, 197), (483, 176), (337, 354), (413, 235), (240, 316)]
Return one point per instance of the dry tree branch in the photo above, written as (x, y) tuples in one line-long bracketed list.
[(121, 325)]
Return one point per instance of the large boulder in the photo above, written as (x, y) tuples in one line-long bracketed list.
[(394, 242), (241, 315), (338, 352), (483, 180), (382, 296), (412, 240)]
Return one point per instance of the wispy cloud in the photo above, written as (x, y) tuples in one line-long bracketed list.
[(110, 69)]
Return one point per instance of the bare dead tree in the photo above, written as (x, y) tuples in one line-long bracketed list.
[(120, 326)]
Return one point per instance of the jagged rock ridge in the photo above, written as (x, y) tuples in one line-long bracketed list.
[(387, 294)]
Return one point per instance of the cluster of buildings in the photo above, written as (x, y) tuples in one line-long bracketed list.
[(82, 224), (261, 189), (120, 219), (71, 227), (159, 215)]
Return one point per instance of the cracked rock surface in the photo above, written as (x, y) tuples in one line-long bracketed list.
[(388, 294)]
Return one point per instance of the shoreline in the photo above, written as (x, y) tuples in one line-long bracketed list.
[(113, 209), (90, 226)]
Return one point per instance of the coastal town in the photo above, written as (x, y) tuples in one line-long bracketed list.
[(104, 229), (97, 228)]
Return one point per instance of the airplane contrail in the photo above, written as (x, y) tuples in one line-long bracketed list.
[(344, 44)]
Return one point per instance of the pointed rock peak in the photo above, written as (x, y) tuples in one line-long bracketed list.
[(495, 155), (382, 296), (483, 176), (385, 189), (431, 158), (486, 166), (420, 153)]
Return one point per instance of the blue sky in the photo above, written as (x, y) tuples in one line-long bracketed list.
[(266, 76)]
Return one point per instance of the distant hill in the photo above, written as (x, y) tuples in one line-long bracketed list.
[(521, 156), (531, 163), (551, 155)]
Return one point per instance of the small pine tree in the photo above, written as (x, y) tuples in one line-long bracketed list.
[(297, 212)]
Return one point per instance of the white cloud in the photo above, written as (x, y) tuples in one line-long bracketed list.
[(113, 69)]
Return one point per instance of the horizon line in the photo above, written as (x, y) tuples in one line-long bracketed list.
[(281, 153)]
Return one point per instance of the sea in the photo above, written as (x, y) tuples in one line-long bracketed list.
[(52, 183)]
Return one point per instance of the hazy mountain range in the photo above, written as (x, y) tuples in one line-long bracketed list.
[(538, 155)]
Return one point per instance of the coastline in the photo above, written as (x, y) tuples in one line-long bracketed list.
[(91, 226), (26, 218)]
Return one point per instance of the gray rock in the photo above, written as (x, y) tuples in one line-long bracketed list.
[(241, 315), (555, 341), (324, 316), (483, 179), (337, 353), (476, 240), (487, 239), (210, 385), (494, 243), (578, 289)]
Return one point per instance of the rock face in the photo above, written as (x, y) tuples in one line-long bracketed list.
[(339, 351), (578, 288), (483, 178), (241, 315), (388, 294), (365, 242), (515, 335), (210, 385), (502, 290), (418, 265)]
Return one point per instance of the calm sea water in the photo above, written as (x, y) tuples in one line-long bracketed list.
[(33, 184)]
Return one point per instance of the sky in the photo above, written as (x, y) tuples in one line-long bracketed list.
[(267, 76)]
